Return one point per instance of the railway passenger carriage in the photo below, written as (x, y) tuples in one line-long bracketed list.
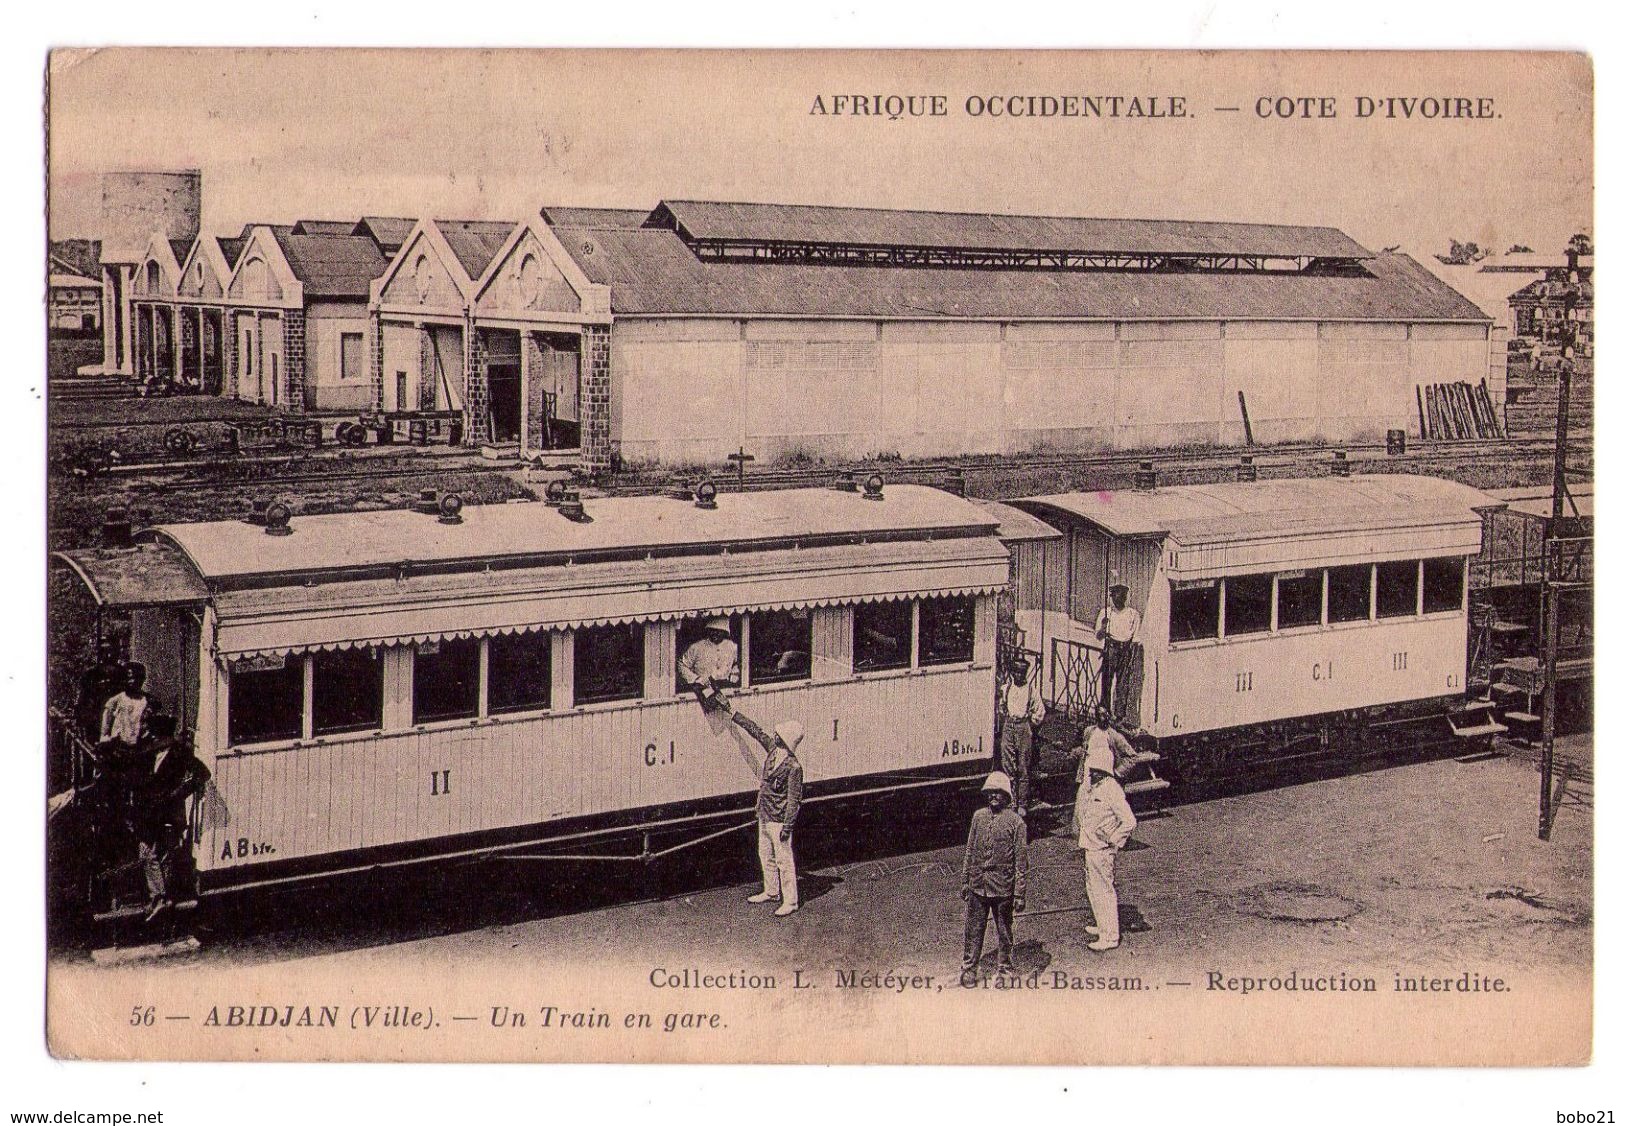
[(408, 684), (1271, 611)]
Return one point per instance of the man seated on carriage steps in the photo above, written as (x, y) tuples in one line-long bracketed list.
[(710, 663), (778, 803)]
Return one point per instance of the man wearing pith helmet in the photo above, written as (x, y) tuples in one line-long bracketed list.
[(995, 876), (1104, 824), (778, 803), (710, 664)]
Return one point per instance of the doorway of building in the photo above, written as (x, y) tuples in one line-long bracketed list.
[(555, 392), (214, 366), (503, 386)]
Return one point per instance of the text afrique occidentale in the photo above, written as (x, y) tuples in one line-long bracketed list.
[(1280, 107)]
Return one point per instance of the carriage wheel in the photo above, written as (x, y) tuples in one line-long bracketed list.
[(179, 440)]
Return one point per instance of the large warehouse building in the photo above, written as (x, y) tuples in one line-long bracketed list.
[(681, 334)]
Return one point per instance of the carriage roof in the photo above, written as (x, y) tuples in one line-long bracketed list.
[(227, 550), (1296, 506), (1236, 526), (403, 576)]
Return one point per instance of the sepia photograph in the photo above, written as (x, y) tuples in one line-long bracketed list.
[(896, 557)]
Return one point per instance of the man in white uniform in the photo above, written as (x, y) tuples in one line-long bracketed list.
[(710, 663), (1104, 824)]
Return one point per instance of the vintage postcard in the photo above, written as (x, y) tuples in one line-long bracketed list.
[(856, 556)]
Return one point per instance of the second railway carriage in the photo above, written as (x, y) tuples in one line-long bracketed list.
[(1275, 615), (376, 686)]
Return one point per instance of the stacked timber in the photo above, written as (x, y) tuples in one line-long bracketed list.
[(1457, 411)]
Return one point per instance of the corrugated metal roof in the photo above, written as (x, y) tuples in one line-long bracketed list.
[(1293, 507), (333, 265), (388, 231), (475, 241), (625, 218), (653, 272), (1538, 502), (782, 222), (432, 607), (224, 550), (146, 575), (324, 227), (232, 249), (1016, 526)]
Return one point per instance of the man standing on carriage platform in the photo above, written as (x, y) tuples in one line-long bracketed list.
[(778, 803), (124, 716), (1117, 628), (1021, 710)]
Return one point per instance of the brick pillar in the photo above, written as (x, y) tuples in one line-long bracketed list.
[(375, 359), (427, 376), (191, 343), (293, 360), (477, 390), (228, 352), (533, 373), (595, 398)]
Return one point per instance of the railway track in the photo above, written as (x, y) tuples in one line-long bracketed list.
[(199, 475)]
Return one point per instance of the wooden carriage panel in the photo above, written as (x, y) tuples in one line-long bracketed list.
[(371, 791)]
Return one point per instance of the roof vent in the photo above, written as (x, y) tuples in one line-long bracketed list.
[(846, 483), (1246, 471), (278, 519), (571, 508), (1145, 477), (1340, 463), (874, 487), (256, 513), (705, 494), (427, 503), (116, 529), (451, 509), (554, 493)]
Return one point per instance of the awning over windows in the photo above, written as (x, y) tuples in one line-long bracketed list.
[(433, 607)]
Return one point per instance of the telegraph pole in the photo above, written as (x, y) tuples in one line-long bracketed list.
[(1567, 334)]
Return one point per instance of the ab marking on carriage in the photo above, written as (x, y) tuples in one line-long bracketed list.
[(955, 748), (242, 848)]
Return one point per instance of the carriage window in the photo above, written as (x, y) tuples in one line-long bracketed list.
[(947, 630), (691, 631), (1442, 583), (267, 704), (1348, 593), (519, 672), (347, 690), (446, 680), (1193, 613), (1396, 589), (882, 635), (609, 663), (1247, 601), (1297, 599), (780, 646)]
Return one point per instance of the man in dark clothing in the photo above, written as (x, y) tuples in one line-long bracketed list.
[(158, 814), (777, 805), (995, 876), (101, 682)]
